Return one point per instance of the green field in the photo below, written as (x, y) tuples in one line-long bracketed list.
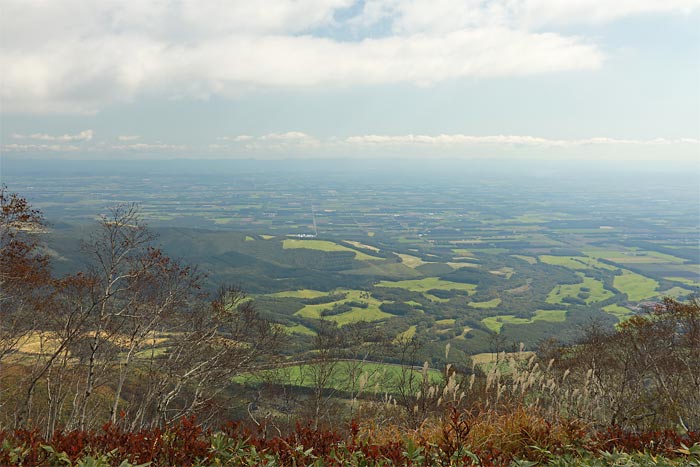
[(684, 280), (495, 323), (675, 292), (634, 256), (636, 286), (377, 377), (304, 293), (488, 304), (620, 312), (446, 322), (324, 245), (410, 260), (428, 283), (407, 334), (527, 259), (575, 262), (300, 329), (371, 313), (595, 293)]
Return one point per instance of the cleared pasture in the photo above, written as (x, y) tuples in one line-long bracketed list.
[(324, 245), (410, 260), (636, 286), (302, 293), (684, 280), (620, 312), (347, 374), (575, 262), (495, 323), (487, 304), (370, 313), (589, 290), (428, 283)]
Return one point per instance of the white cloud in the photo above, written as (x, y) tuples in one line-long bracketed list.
[(147, 147), (78, 56), (445, 140), (85, 135), (128, 137), (38, 148), (237, 138), (412, 16), (92, 54)]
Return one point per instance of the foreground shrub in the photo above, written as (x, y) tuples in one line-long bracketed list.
[(460, 438)]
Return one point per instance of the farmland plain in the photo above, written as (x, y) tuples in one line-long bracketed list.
[(452, 257)]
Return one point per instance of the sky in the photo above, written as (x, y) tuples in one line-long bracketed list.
[(423, 79)]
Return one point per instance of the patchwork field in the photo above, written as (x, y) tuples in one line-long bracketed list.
[(369, 313), (589, 291), (636, 286), (428, 283), (324, 245), (575, 262), (488, 304), (620, 312), (495, 323), (357, 375), (305, 293)]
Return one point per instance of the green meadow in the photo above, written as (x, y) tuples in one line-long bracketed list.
[(636, 286), (428, 283), (575, 262), (370, 313), (589, 290), (487, 304), (495, 323), (324, 245), (367, 377), (620, 312)]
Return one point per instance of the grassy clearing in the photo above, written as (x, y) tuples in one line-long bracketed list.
[(495, 323), (411, 261), (380, 377), (636, 286), (527, 259), (222, 220), (589, 290), (248, 238), (504, 271), (324, 245), (302, 293), (446, 322), (675, 292), (488, 304), (300, 329), (620, 312), (362, 245), (267, 237), (634, 256), (406, 335), (461, 264), (575, 262), (371, 313), (428, 283), (463, 253), (684, 280)]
